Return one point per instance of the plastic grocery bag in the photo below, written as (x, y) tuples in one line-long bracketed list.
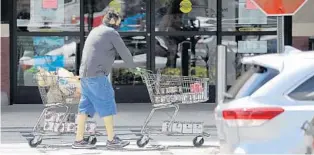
[(68, 83), (44, 78), (54, 95)]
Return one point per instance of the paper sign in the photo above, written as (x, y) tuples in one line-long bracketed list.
[(50, 4), (250, 5), (252, 46), (250, 16)]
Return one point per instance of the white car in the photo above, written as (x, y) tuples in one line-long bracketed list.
[(265, 109)]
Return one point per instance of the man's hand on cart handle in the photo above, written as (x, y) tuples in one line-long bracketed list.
[(77, 77)]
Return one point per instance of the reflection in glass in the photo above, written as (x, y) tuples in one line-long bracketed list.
[(243, 15), (192, 56), (47, 52), (133, 14), (121, 74), (266, 44), (169, 17), (40, 15)]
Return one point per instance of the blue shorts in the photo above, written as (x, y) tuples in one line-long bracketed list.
[(97, 95)]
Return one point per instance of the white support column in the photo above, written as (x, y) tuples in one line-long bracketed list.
[(221, 73)]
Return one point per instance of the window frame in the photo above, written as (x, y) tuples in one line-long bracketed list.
[(305, 79), (6, 17)]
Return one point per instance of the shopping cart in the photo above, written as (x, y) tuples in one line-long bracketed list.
[(57, 94), (167, 91)]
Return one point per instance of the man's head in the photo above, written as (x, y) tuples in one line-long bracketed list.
[(112, 18)]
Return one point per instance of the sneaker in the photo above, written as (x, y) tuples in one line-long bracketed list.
[(117, 143), (82, 145)]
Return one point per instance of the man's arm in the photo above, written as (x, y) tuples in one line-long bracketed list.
[(121, 48)]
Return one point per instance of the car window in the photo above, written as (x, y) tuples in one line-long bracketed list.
[(305, 92), (251, 81)]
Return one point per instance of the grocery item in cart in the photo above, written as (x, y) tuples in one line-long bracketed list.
[(90, 127), (70, 127), (68, 83), (71, 118), (198, 128), (44, 78), (48, 126), (59, 127), (60, 117), (165, 126), (187, 127), (196, 87), (50, 116), (177, 127), (54, 95)]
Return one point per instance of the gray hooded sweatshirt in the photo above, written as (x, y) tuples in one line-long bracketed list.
[(99, 52)]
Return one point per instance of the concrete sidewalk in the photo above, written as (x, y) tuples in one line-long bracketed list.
[(129, 115), (18, 121)]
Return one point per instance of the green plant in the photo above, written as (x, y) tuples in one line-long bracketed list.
[(199, 72), (171, 71), (32, 70)]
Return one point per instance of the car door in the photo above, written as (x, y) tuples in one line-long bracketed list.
[(303, 97)]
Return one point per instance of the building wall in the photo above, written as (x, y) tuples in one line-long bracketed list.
[(303, 26), (5, 64)]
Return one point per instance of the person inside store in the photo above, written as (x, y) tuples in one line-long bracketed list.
[(97, 94)]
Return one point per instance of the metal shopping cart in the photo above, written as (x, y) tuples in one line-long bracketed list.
[(167, 91), (58, 93)]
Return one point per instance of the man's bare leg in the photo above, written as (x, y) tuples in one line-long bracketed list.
[(113, 141), (79, 139)]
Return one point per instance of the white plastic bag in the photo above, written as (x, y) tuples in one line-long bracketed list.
[(68, 83), (45, 78)]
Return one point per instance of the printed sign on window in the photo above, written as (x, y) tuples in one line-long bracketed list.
[(250, 5), (252, 46), (50, 4)]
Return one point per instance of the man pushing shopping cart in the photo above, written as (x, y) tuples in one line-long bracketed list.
[(97, 94)]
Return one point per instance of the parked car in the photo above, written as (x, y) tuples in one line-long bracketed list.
[(264, 111)]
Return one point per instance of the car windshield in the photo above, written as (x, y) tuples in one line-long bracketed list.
[(251, 81)]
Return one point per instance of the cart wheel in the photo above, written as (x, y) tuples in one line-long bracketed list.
[(93, 141), (33, 143), (143, 141), (198, 141), (86, 139)]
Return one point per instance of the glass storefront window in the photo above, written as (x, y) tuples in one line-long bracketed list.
[(133, 14), (243, 15), (121, 74), (196, 52), (241, 46), (302, 28), (48, 15), (48, 52), (185, 15)]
